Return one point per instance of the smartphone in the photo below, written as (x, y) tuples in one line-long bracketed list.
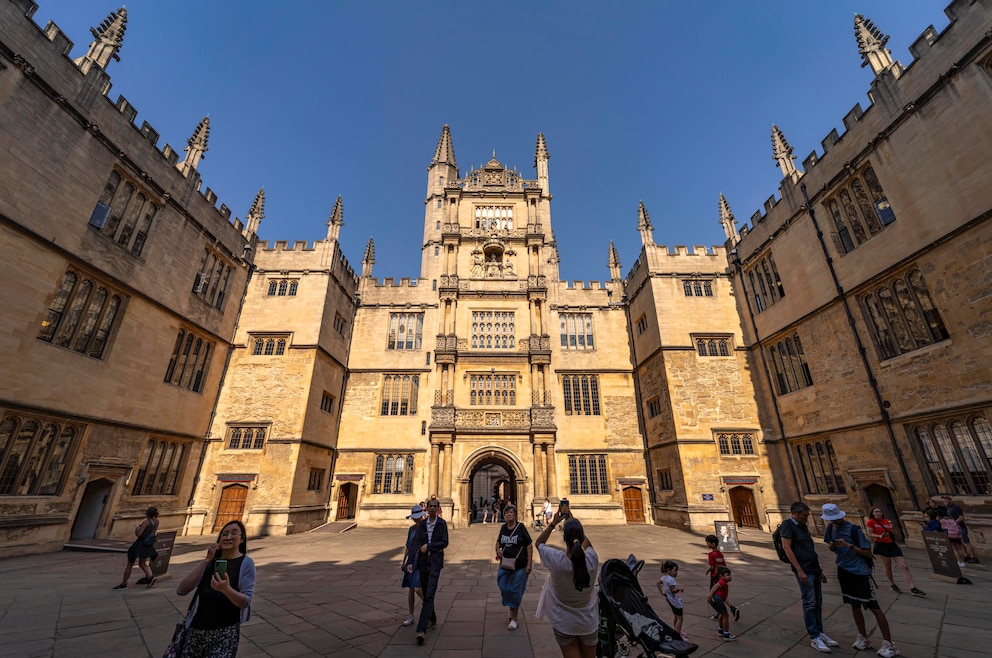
[(563, 507), (220, 567)]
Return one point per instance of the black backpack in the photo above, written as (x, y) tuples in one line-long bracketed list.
[(777, 542)]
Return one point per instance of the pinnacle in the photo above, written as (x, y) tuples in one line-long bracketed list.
[(871, 45), (782, 152), (198, 140), (337, 213), (725, 212), (369, 257), (643, 219), (614, 257), (445, 151), (258, 205), (541, 152), (111, 31)]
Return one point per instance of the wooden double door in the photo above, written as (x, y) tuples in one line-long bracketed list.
[(232, 505), (633, 505)]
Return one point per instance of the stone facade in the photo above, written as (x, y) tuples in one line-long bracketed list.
[(115, 338), (865, 308)]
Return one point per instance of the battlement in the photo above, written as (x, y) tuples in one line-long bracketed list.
[(579, 284), (79, 87), (661, 258), (893, 93), (304, 256)]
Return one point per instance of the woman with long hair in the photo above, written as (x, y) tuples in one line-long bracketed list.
[(142, 550), (886, 548), (568, 601), (515, 554), (224, 584)]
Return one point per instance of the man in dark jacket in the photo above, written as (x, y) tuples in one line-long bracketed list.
[(798, 545), (431, 540)]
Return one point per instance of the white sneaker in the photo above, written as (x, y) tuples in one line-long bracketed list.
[(408, 620), (827, 641), (862, 643), (513, 625), (962, 564), (888, 650), (820, 645)]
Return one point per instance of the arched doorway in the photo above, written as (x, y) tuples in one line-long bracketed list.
[(347, 501), (880, 496), (502, 475), (743, 508), (91, 508), (231, 506)]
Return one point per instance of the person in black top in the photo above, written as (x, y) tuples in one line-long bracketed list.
[(798, 545), (429, 542), (224, 584), (142, 549), (513, 543)]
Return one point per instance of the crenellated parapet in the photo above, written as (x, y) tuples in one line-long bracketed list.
[(896, 95), (306, 257)]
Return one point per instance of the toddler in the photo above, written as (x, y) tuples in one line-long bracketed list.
[(672, 592)]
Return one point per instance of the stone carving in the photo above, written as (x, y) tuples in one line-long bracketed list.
[(543, 418), (443, 417)]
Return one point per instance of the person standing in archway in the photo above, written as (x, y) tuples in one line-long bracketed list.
[(515, 554)]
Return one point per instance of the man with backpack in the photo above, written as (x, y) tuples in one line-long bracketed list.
[(799, 551), (854, 565)]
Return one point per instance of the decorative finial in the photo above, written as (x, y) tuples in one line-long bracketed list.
[(644, 224), (871, 45), (108, 39), (336, 220), (368, 260), (196, 146), (614, 263), (257, 212), (445, 151), (541, 153), (727, 220), (782, 153)]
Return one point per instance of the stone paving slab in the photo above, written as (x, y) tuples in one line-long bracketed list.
[(339, 594)]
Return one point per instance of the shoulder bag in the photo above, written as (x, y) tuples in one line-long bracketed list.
[(176, 644), (510, 563)]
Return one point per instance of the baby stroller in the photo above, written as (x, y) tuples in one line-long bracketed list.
[(626, 619)]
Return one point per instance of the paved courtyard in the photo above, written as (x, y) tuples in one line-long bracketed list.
[(338, 594)]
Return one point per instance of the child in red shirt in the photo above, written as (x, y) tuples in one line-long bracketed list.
[(718, 601), (715, 558)]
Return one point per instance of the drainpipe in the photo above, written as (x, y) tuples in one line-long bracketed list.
[(879, 402), (652, 494)]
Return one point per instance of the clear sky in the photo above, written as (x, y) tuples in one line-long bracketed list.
[(666, 102)]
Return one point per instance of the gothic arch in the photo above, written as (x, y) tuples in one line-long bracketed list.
[(492, 452)]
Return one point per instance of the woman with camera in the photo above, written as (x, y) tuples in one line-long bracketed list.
[(515, 554), (886, 548), (224, 584), (568, 601)]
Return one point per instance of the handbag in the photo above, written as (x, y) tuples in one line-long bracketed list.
[(178, 641), (510, 563)]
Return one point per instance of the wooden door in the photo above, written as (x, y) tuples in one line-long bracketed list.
[(232, 505), (343, 498), (742, 505), (633, 505)]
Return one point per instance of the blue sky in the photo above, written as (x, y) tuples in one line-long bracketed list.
[(666, 102)]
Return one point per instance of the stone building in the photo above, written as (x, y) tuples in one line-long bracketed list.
[(122, 285), (705, 443), (865, 291)]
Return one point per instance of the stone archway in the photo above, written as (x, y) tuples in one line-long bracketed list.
[(492, 471)]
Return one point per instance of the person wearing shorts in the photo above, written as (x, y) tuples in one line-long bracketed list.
[(853, 552), (887, 550)]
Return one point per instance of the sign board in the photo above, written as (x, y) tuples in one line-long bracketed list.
[(726, 533), (945, 565), (163, 546), (707, 497)]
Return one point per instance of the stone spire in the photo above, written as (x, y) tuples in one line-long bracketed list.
[(727, 220), (614, 263), (644, 224), (541, 157), (336, 221), (368, 260), (256, 213), (108, 39), (445, 152), (782, 153), (196, 146), (555, 257), (871, 45)]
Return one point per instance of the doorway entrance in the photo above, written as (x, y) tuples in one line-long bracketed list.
[(232, 505), (880, 496), (91, 508), (492, 477), (347, 501), (743, 508), (633, 505)]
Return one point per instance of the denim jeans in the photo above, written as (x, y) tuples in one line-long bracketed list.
[(812, 593)]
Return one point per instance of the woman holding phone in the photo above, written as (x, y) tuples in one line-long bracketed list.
[(224, 584)]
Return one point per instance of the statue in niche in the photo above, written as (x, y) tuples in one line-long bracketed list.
[(492, 267), (477, 271), (508, 271)]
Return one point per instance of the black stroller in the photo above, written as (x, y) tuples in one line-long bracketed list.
[(627, 620)]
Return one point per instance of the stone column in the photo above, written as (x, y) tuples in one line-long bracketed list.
[(446, 483), (552, 472), (432, 480), (540, 481)]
